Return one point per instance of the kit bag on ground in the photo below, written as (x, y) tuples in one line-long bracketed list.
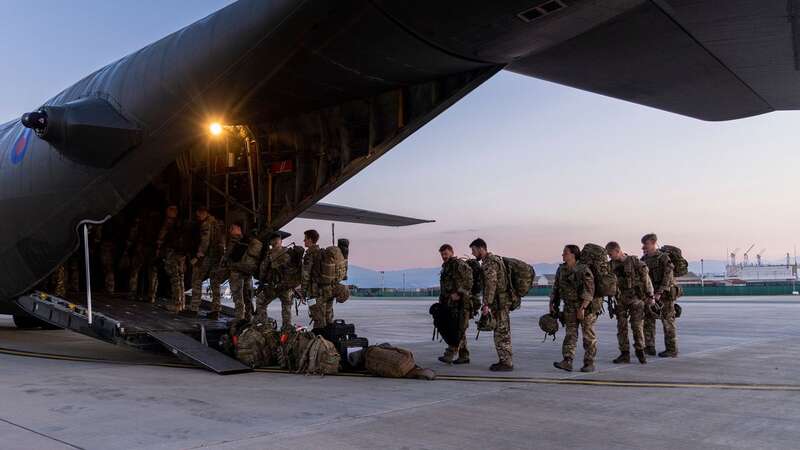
[(681, 266), (319, 357), (293, 347), (520, 279), (595, 257), (388, 361), (344, 338), (333, 268), (251, 347)]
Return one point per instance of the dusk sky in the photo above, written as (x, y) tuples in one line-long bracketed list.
[(525, 164)]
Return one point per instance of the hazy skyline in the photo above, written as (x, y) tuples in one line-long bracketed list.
[(527, 165)]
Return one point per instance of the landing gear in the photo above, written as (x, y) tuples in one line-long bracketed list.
[(26, 322)]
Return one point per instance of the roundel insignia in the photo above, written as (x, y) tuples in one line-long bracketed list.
[(20, 147)]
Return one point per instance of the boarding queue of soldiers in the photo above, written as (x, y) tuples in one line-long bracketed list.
[(640, 291), (163, 242)]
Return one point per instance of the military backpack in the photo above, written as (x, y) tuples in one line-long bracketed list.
[(681, 266), (291, 273), (596, 258), (319, 357), (333, 267), (251, 347), (520, 279)]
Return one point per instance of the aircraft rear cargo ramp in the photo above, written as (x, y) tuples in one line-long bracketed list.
[(146, 326)]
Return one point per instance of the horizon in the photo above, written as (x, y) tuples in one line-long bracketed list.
[(574, 166)]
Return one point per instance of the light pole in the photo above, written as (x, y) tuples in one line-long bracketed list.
[(404, 284)]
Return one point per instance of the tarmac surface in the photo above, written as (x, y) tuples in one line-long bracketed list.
[(734, 385)]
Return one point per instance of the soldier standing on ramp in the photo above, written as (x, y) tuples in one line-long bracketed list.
[(233, 250), (635, 287), (574, 284), (661, 272), (275, 278), (206, 257), (497, 302), (455, 283)]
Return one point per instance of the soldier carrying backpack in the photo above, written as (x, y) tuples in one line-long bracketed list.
[(455, 307), (323, 270), (278, 275)]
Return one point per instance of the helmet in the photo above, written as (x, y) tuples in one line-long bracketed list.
[(678, 310), (549, 324), (486, 322), (653, 310), (341, 293)]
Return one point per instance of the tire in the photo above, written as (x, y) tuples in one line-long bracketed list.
[(26, 322)]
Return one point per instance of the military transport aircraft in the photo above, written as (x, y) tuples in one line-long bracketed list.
[(265, 107)]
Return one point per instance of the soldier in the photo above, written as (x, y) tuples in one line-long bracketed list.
[(58, 281), (234, 251), (272, 274), (661, 272), (169, 246), (574, 284), (321, 306), (496, 301), (206, 257), (634, 288), (455, 285), (243, 263)]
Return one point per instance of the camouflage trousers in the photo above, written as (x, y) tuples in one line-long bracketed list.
[(630, 310), (241, 294), (266, 296), (571, 324), (107, 263), (667, 321), (461, 349), (175, 266), (202, 270), (218, 276), (322, 311), (502, 335), (144, 258)]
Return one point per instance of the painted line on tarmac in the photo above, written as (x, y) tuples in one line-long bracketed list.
[(467, 378)]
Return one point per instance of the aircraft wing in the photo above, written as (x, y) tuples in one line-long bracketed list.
[(337, 213)]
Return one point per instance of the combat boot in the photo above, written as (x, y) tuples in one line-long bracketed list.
[(587, 367), (447, 359), (623, 358), (668, 354), (640, 356), (566, 364), (650, 350), (462, 360), (501, 367)]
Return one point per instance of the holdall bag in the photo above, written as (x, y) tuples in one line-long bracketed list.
[(388, 361)]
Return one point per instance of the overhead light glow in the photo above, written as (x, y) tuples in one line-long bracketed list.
[(215, 129)]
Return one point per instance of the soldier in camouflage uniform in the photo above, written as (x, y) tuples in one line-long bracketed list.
[(321, 306), (634, 288), (58, 281), (455, 285), (661, 272), (243, 264), (170, 247), (234, 250), (206, 257), (574, 284), (496, 301), (272, 284)]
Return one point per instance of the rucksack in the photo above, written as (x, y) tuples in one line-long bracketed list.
[(446, 321), (681, 266), (596, 258), (251, 347), (293, 346), (388, 361), (520, 279), (333, 267), (292, 272), (320, 357)]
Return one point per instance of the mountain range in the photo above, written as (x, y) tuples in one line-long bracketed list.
[(426, 277)]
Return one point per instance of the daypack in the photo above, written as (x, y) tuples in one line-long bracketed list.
[(595, 257), (387, 361), (333, 267), (251, 348), (293, 346), (447, 322), (319, 357), (292, 271), (678, 261), (520, 279)]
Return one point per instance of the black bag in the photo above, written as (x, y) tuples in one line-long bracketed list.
[(347, 349), (336, 331), (445, 319)]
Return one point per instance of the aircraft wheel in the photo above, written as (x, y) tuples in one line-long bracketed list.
[(26, 322)]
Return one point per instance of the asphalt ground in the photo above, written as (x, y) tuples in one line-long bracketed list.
[(734, 385)]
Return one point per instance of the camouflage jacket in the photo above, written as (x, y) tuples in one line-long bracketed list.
[(455, 277), (210, 245), (311, 267), (574, 286), (661, 268), (272, 267), (633, 278), (495, 282)]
